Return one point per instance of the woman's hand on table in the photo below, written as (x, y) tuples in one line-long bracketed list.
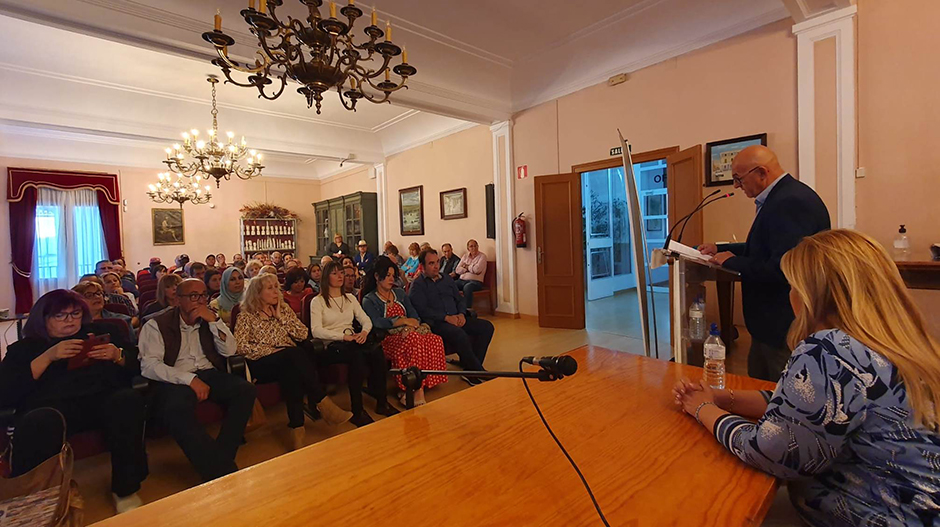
[(689, 395)]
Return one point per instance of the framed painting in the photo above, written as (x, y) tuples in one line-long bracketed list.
[(720, 154), (454, 204), (167, 226), (411, 210)]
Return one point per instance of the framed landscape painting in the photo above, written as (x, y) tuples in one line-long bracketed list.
[(454, 204), (167, 226), (718, 157), (411, 209)]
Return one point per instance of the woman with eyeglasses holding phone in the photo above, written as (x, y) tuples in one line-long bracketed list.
[(70, 366)]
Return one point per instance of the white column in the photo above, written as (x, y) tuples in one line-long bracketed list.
[(381, 190), (505, 213), (840, 25)]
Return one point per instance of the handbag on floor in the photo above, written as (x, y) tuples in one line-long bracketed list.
[(46, 495)]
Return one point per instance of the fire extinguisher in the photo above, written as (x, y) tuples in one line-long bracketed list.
[(518, 227)]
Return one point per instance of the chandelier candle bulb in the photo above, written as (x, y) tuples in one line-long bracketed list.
[(251, 4), (404, 55), (375, 20), (332, 9), (388, 31), (263, 5), (218, 20)]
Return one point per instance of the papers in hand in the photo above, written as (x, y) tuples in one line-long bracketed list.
[(688, 252)]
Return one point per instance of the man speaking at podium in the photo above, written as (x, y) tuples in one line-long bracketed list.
[(787, 211)]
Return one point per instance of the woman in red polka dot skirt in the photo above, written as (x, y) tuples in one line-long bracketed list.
[(409, 342)]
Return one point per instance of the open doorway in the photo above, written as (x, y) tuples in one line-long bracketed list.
[(610, 293)]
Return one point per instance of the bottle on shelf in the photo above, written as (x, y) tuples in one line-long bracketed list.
[(902, 246), (697, 320), (715, 360)]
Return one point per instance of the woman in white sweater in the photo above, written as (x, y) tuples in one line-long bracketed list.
[(332, 314)]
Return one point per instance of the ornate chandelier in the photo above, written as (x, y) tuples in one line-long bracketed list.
[(320, 55), (212, 157), (181, 190)]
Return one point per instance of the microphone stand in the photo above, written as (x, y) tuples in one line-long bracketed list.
[(413, 378)]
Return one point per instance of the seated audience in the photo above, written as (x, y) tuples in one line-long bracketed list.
[(94, 297), (269, 334), (155, 261), (363, 259), (237, 257), (424, 246), (410, 267), (114, 293), (438, 302), (102, 267), (409, 342), (259, 256), (166, 295), (449, 261), (391, 250), (36, 373), (220, 262), (181, 262), (295, 289), (852, 424), (196, 270), (268, 269), (470, 271), (350, 279), (347, 261), (277, 260), (291, 264), (239, 264), (325, 260), (159, 271), (210, 261), (252, 268), (128, 280), (313, 272), (338, 248), (213, 280), (231, 288), (183, 350), (331, 318)]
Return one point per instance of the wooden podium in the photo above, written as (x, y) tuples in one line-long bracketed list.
[(687, 278)]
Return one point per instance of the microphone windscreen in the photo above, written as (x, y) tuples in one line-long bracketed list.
[(567, 365)]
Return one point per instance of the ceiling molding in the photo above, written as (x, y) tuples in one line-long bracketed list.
[(425, 140), (600, 25), (203, 101), (676, 51), (394, 120), (162, 16)]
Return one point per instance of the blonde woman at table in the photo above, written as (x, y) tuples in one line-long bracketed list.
[(852, 424)]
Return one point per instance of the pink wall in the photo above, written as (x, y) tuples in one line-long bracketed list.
[(354, 180), (205, 230), (683, 101)]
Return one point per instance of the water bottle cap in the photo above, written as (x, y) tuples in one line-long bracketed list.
[(714, 329), (902, 230)]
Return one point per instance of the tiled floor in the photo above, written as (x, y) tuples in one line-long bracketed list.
[(170, 472), (620, 315)]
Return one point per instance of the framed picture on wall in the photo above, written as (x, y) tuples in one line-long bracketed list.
[(718, 157), (411, 210), (167, 226), (454, 204)]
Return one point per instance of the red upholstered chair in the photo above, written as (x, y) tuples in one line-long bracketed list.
[(119, 325), (236, 309), (117, 308), (146, 297), (269, 393)]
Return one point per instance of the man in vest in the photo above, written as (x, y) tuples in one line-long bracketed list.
[(183, 349)]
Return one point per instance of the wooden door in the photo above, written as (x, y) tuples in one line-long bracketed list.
[(559, 251), (684, 180)]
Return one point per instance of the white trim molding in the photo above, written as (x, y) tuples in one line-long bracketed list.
[(839, 25), (381, 191), (506, 284)]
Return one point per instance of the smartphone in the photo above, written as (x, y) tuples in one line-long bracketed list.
[(82, 359)]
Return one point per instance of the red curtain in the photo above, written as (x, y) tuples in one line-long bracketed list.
[(22, 234), (110, 225), (21, 193)]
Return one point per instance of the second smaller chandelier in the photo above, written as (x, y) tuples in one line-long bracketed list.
[(211, 157)]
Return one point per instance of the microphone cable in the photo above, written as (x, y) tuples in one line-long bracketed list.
[(574, 465)]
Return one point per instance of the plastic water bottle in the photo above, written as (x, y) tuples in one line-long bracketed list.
[(902, 246), (715, 360), (697, 320)]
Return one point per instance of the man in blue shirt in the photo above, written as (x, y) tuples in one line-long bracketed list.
[(363, 259), (439, 304)]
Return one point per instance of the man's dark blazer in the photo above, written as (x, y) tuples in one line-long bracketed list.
[(791, 212)]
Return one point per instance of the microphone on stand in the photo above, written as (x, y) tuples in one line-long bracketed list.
[(702, 206), (699, 206), (559, 366)]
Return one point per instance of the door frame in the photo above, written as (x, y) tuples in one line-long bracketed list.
[(617, 161)]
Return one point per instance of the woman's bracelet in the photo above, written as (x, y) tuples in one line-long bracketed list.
[(731, 406), (699, 409)]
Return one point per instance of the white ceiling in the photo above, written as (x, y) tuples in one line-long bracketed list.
[(135, 70)]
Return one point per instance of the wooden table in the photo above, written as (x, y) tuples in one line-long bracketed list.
[(482, 457), (923, 274)]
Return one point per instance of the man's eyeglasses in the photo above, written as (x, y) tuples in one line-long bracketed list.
[(93, 295), (739, 179), (194, 297), (66, 315)]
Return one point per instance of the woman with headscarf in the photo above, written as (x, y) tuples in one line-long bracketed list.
[(232, 288)]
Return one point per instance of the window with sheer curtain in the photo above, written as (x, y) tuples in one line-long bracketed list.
[(69, 238)]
